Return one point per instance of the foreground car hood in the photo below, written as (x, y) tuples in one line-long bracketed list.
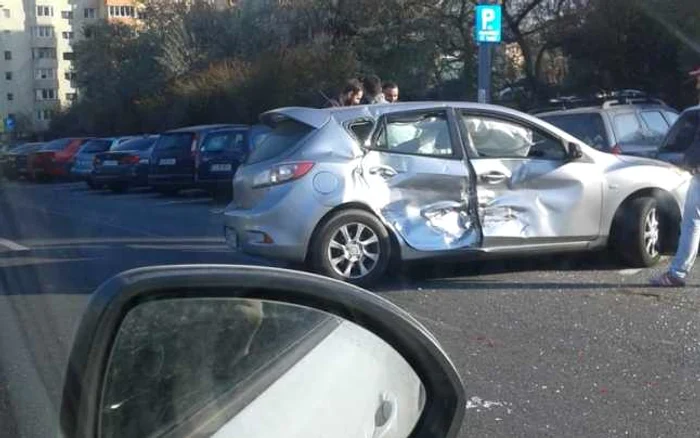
[(641, 161)]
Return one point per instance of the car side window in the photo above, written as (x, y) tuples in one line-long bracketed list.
[(495, 138), (361, 129), (628, 129), (656, 124), (416, 133)]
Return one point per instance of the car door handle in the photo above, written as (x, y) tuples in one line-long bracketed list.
[(493, 177), (383, 171)]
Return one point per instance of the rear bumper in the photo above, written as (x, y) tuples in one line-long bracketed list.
[(287, 217), (216, 183), (131, 175)]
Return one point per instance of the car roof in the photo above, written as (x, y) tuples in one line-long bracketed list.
[(317, 117), (200, 128), (598, 109)]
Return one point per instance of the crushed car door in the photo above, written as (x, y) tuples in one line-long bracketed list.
[(530, 191), (416, 178)]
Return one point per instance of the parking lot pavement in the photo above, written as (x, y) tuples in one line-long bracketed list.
[(569, 345)]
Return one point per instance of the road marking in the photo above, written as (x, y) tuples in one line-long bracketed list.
[(629, 271), (12, 246)]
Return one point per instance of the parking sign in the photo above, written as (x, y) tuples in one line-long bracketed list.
[(488, 23), (9, 123)]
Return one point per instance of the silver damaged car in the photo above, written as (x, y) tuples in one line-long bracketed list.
[(347, 190)]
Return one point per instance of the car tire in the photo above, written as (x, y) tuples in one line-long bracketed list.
[(373, 239), (638, 233)]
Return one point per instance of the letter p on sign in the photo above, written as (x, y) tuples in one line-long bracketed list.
[(488, 23)]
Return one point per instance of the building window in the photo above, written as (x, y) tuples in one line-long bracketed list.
[(10, 96), (8, 55), (8, 75), (44, 11), (6, 13), (44, 73), (68, 15), (68, 35), (68, 56), (44, 53), (42, 31), (89, 13), (46, 94), (122, 11), (43, 115), (70, 75), (71, 96)]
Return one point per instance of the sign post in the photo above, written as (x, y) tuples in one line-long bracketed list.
[(9, 123), (488, 32)]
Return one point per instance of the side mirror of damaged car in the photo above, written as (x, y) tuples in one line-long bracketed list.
[(214, 350), (574, 152)]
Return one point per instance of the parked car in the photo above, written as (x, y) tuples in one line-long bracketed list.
[(84, 160), (681, 135), (635, 126), (54, 159), (174, 156), (125, 165), (220, 154), (16, 164), (345, 190), (5, 150)]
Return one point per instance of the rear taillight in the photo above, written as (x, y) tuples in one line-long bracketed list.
[(282, 173), (617, 150), (130, 159)]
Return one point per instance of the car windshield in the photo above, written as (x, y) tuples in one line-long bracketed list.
[(180, 141), (285, 135), (221, 141), (97, 145), (587, 127), (139, 144), (521, 177)]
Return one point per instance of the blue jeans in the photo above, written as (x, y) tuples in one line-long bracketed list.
[(690, 232)]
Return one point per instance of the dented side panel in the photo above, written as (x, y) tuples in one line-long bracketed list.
[(538, 200), (424, 199)]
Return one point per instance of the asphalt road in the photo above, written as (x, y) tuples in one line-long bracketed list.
[(546, 346)]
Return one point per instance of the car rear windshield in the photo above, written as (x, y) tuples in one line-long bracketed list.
[(56, 145), (226, 140), (283, 136), (180, 141), (93, 146), (683, 133), (139, 144), (587, 127)]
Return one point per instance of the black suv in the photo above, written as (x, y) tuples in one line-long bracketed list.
[(681, 135), (173, 161), (630, 126)]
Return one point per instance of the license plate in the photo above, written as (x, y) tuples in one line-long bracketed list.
[(167, 161), (110, 163), (220, 167)]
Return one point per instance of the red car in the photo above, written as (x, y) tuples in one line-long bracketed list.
[(54, 159)]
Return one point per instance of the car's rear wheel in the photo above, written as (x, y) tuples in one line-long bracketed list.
[(638, 235), (352, 246)]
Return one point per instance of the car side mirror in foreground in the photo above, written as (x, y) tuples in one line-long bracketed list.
[(575, 152), (243, 351)]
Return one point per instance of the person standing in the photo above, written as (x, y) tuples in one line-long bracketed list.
[(391, 92), (351, 95), (373, 90), (687, 252)]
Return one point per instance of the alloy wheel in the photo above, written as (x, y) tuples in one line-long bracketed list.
[(353, 250)]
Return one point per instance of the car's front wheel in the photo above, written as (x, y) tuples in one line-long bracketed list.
[(638, 233), (352, 246)]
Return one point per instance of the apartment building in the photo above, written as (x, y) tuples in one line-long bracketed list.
[(36, 53)]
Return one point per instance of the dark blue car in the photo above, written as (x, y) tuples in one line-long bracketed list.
[(220, 154), (126, 165)]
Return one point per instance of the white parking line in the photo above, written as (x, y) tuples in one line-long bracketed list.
[(12, 246), (629, 271)]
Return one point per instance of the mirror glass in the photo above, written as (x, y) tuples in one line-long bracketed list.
[(233, 367)]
